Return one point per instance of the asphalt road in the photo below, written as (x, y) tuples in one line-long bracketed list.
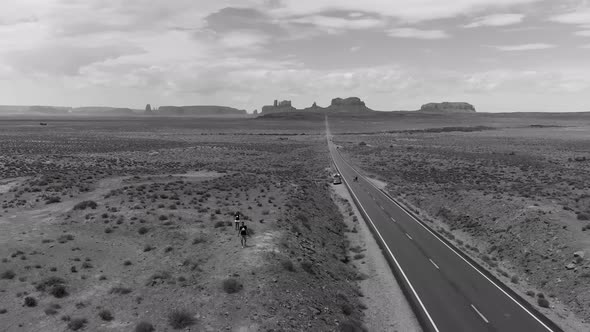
[(448, 292)]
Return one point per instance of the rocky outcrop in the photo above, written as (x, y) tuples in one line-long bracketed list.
[(198, 111), (448, 107), (278, 107), (351, 104)]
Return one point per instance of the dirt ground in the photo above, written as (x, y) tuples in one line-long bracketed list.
[(123, 226), (515, 198)]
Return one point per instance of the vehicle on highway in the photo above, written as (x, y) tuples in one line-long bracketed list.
[(337, 179)]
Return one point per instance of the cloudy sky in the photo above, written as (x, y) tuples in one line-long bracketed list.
[(500, 55)]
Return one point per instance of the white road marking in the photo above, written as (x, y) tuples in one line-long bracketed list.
[(456, 253), (382, 208), (409, 237), (393, 257), (480, 315), (392, 219), (433, 263)]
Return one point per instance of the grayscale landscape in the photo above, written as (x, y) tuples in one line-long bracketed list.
[(294, 166)]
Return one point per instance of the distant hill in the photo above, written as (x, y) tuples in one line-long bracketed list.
[(198, 111), (448, 107), (348, 105)]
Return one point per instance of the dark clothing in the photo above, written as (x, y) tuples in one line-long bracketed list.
[(243, 230)]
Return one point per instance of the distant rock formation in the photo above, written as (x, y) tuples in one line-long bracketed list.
[(199, 111), (278, 107), (351, 104), (448, 107)]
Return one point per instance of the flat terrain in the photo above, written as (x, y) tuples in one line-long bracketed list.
[(127, 224), (513, 194)]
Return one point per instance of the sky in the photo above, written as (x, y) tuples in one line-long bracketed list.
[(499, 55)]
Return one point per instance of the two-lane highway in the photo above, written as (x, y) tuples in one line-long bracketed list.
[(447, 290)]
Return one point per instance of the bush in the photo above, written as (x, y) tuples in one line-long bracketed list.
[(85, 204), (232, 285), (180, 319), (142, 230), (543, 302), (3, 311), (514, 279), (8, 274), (352, 326), (120, 290), (144, 327), (220, 224), (106, 315), (30, 301), (77, 323), (347, 309), (583, 216), (59, 291), (288, 265), (307, 267)]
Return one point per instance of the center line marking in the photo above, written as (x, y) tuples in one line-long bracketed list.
[(408, 235), (480, 315), (392, 219), (382, 208), (433, 263)]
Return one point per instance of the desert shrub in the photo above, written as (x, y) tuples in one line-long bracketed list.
[(85, 204), (583, 216), (30, 301), (142, 230), (199, 239), (77, 323), (105, 315), (585, 228), (180, 319), (144, 327), (3, 311), (307, 266), (65, 238), (351, 326), (220, 224), (514, 279), (358, 256), (347, 309), (108, 230), (127, 263), (162, 217), (288, 265), (543, 302), (8, 274), (362, 143), (231, 285), (52, 200), (120, 290), (59, 291)]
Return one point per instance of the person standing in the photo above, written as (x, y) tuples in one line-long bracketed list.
[(237, 221), (242, 233)]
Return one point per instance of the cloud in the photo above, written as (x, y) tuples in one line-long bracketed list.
[(405, 10), (524, 47), (244, 39), (64, 59), (496, 20), (417, 33), (583, 33), (578, 17), (338, 23)]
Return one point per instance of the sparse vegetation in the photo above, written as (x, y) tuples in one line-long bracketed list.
[(232, 285), (144, 327), (76, 324), (180, 319), (8, 274), (105, 315)]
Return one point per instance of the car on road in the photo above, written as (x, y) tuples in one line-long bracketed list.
[(337, 179)]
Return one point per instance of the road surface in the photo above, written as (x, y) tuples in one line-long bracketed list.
[(448, 291)]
